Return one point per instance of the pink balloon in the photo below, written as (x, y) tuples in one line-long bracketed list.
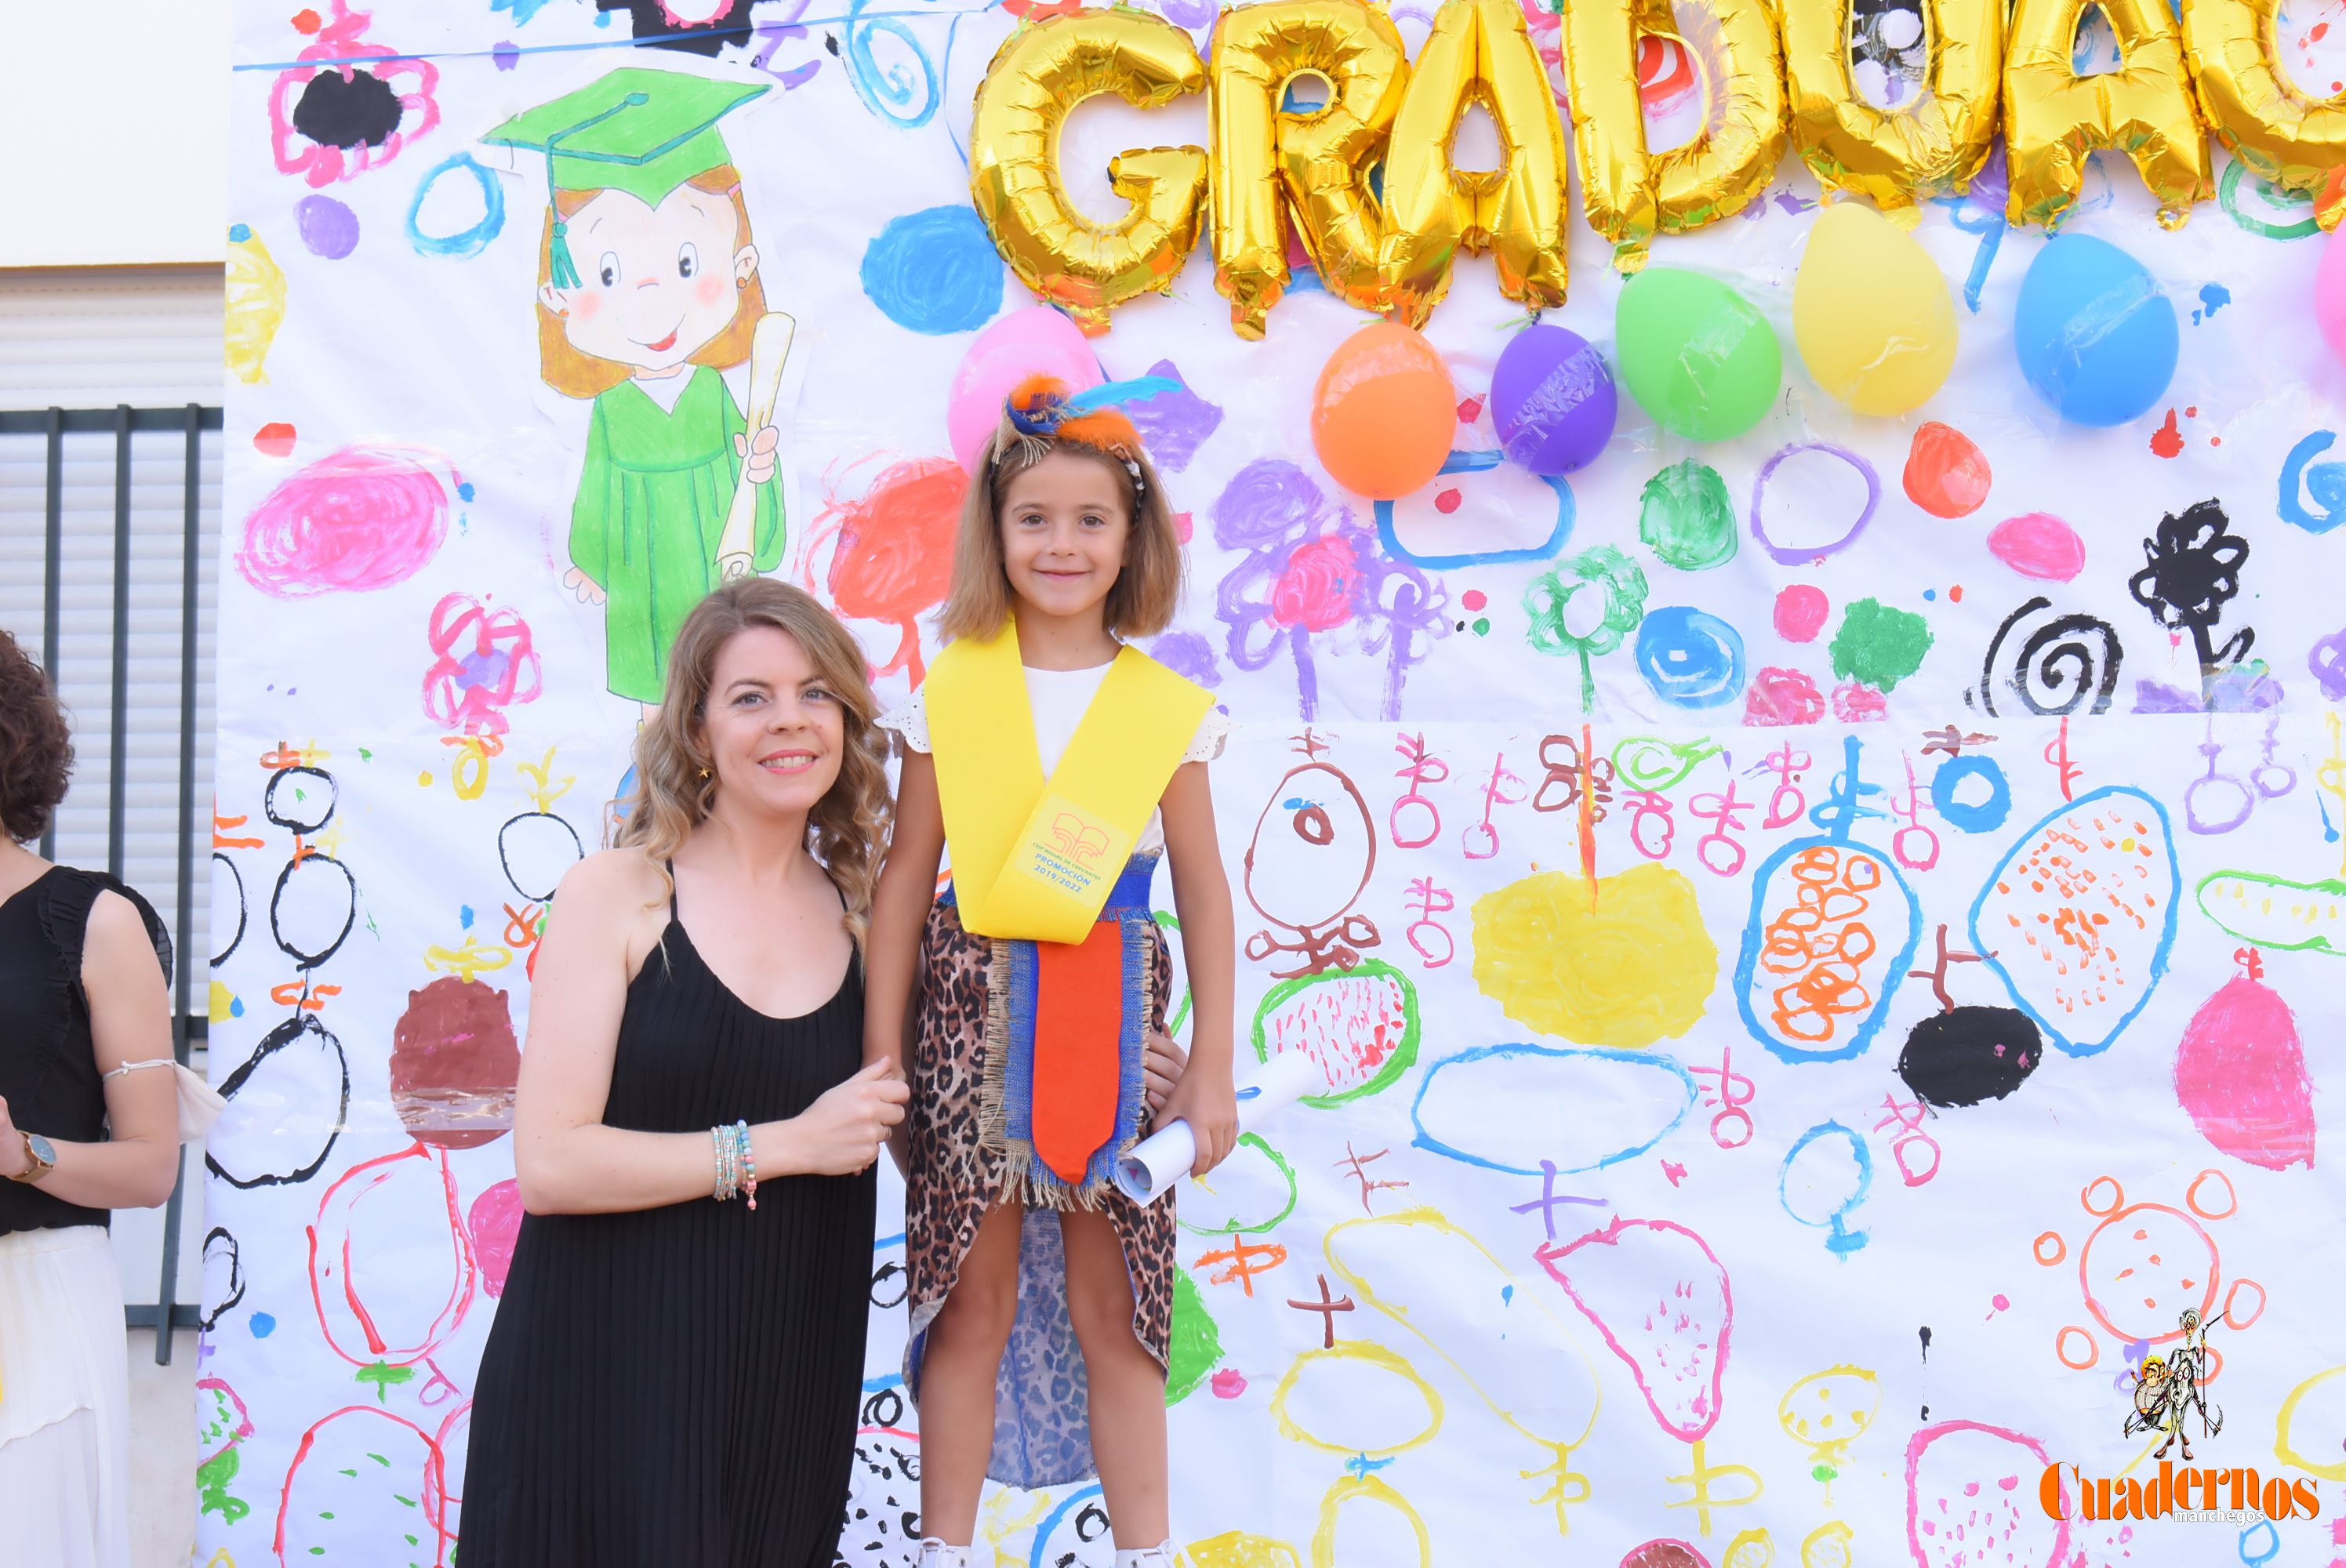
[(2330, 293), (1037, 341)]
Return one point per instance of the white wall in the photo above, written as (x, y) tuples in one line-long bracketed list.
[(116, 131)]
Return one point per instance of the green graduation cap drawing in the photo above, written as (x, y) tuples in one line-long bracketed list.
[(642, 131)]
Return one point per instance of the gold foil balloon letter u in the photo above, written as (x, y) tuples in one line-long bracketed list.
[(1480, 52), (1040, 73), (1315, 163), (1899, 157)]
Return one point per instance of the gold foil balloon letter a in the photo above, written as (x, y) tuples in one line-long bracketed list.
[(1480, 52), (1929, 147), (1040, 73), (2054, 118), (1312, 162)]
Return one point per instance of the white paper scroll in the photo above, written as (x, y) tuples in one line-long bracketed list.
[(1164, 1156)]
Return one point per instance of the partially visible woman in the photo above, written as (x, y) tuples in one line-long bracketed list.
[(84, 1005), (673, 1376)]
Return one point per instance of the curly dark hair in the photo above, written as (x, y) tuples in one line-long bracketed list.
[(36, 747)]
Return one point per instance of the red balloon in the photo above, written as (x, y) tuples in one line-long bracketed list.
[(1384, 412)]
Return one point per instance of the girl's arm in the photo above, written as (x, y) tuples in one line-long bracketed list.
[(130, 1020), (1204, 1096), (900, 909), (565, 1159)]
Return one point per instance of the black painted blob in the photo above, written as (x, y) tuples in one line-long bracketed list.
[(349, 111), (1970, 1054)]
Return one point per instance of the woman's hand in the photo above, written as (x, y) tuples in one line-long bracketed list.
[(757, 454), (1162, 1064), (1208, 1101), (841, 1134), (589, 592), (15, 1159)]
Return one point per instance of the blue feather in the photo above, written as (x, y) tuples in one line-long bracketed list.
[(1139, 388)]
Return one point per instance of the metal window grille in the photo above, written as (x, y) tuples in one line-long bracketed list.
[(164, 503)]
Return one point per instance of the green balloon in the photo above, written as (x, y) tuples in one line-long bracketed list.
[(1695, 354)]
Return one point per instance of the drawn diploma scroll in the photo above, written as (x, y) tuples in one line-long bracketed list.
[(1164, 1156), (769, 350)]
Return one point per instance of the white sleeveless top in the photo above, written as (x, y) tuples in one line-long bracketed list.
[(1058, 699)]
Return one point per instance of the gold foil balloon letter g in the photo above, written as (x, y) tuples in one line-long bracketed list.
[(1041, 72)]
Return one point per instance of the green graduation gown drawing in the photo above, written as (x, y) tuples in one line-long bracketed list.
[(650, 515)]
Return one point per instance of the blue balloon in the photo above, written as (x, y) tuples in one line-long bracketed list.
[(1690, 659), (2095, 337)]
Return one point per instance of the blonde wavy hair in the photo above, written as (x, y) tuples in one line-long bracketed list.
[(675, 781)]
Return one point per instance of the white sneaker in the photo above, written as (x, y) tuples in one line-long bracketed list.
[(935, 1553), (1148, 1557)]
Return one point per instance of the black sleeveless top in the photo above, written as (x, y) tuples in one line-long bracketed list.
[(48, 1075), (679, 1386)]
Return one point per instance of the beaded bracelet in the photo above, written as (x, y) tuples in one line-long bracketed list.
[(749, 1162), (727, 1177)]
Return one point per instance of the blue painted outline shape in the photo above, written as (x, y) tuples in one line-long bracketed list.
[(1051, 1521), (2294, 469), (1983, 818), (468, 241), (1643, 1058), (1567, 510), (1748, 964), (1844, 1240), (2159, 958)]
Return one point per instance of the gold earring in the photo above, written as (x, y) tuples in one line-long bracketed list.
[(704, 773)]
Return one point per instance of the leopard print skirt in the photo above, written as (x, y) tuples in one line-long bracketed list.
[(1042, 1424)]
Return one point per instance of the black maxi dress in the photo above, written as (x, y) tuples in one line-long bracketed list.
[(678, 1388)]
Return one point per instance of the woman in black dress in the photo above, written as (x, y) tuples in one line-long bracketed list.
[(672, 1378)]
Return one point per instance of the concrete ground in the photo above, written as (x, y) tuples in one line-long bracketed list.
[(162, 1453)]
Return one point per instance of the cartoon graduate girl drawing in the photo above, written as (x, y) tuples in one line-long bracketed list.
[(649, 286)]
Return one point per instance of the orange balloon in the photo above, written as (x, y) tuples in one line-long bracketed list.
[(1384, 412)]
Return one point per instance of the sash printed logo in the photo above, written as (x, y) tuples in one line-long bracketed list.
[(2165, 1392)]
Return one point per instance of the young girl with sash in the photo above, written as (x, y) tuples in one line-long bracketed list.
[(1057, 763)]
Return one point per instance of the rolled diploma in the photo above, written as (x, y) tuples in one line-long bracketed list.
[(769, 350), (1164, 1156)]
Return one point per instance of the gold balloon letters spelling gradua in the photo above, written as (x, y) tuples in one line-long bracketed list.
[(1317, 168), (2054, 117), (1315, 164), (1041, 72), (2284, 137), (1630, 194), (1906, 156), (1479, 53)]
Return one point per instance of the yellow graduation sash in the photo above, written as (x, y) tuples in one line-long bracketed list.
[(1036, 858)]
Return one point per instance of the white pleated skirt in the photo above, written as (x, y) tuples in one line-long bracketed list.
[(65, 1402)]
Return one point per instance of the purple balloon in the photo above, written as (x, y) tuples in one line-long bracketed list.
[(1553, 401)]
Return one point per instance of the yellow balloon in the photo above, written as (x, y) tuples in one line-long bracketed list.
[(1898, 156), (1314, 163), (1630, 194), (1480, 52), (1870, 312), (1041, 72), (2053, 117), (2285, 138)]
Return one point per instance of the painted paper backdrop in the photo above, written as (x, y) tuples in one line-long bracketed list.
[(1813, 974)]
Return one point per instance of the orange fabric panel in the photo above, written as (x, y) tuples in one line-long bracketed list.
[(1078, 1021)]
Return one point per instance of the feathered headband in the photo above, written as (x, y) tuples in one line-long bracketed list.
[(1042, 409)]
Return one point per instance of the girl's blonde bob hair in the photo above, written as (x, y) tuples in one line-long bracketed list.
[(1147, 591), (675, 779)]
